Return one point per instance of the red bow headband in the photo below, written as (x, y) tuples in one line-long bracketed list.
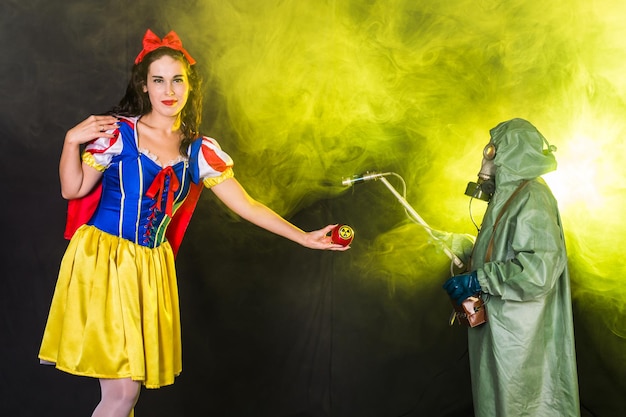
[(171, 40)]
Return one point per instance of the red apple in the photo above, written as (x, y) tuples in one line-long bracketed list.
[(342, 234)]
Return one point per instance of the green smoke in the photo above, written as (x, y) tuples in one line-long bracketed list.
[(307, 92)]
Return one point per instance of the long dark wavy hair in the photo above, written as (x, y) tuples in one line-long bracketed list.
[(136, 102)]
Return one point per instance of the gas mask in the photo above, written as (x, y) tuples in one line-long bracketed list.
[(484, 188)]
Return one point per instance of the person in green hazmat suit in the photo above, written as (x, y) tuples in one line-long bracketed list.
[(522, 360)]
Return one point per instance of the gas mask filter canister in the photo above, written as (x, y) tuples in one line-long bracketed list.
[(484, 188)]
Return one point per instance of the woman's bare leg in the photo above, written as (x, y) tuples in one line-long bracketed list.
[(118, 399)]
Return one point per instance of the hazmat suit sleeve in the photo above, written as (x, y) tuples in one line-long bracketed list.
[(460, 244), (528, 253)]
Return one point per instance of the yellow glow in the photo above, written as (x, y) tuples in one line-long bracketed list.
[(577, 179)]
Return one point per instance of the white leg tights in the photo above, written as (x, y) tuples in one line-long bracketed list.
[(118, 399)]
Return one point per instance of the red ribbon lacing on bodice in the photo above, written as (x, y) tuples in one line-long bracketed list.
[(167, 181)]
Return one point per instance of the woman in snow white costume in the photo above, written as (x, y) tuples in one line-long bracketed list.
[(114, 315)]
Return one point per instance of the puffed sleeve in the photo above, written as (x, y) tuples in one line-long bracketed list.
[(99, 152), (214, 165)]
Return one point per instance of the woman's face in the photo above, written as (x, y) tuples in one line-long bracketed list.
[(167, 85)]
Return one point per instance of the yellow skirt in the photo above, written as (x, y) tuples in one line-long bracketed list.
[(115, 312)]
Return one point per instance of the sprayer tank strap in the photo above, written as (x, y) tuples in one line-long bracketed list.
[(493, 232)]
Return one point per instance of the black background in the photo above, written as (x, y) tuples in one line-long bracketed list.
[(269, 328)]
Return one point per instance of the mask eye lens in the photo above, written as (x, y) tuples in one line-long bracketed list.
[(489, 152)]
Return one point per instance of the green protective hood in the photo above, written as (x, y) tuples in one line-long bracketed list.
[(520, 152)]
